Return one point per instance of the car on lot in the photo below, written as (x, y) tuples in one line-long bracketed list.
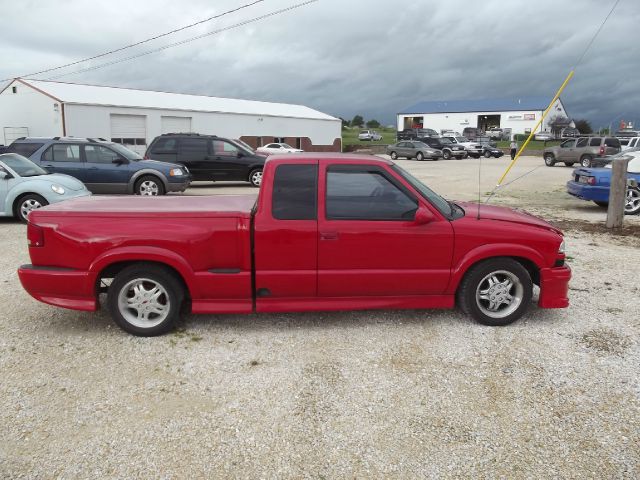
[(370, 135), (413, 149), (209, 157), (447, 147), (600, 162), (488, 152), (474, 149), (327, 232), (569, 132), (593, 184), (543, 136), (24, 187), (276, 148), (628, 143), (580, 150), (495, 133), (104, 167), (472, 133), (416, 134)]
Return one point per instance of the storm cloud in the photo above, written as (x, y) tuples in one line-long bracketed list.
[(343, 57)]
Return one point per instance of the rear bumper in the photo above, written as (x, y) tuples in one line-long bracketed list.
[(61, 287), (588, 192), (554, 287)]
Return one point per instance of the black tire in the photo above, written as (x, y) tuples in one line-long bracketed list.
[(25, 204), (568, 164), (465, 155), (393, 155), (602, 204), (487, 154), (549, 159), (419, 156), (501, 269), (149, 185), (585, 161), (446, 154), (255, 177), (149, 277)]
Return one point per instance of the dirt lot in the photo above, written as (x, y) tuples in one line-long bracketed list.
[(401, 394)]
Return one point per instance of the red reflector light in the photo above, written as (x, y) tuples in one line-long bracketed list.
[(591, 180), (602, 151), (35, 235)]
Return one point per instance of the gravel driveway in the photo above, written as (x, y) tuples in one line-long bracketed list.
[(401, 394)]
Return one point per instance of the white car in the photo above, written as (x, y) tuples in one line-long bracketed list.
[(275, 148), (629, 142), (370, 135)]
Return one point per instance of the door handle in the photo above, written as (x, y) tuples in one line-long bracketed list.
[(329, 235)]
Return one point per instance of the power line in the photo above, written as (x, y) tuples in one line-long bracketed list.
[(141, 42), (182, 42), (596, 34)]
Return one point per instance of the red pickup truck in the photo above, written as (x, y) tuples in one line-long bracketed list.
[(326, 232)]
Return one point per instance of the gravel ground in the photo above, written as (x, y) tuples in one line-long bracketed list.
[(400, 394)]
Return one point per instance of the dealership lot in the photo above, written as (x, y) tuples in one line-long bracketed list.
[(366, 394)]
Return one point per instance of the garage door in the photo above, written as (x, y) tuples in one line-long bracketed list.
[(176, 124), (11, 133), (130, 130)]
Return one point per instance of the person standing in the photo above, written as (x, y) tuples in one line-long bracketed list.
[(514, 149)]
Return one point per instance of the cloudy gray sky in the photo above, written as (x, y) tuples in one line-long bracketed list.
[(343, 56)]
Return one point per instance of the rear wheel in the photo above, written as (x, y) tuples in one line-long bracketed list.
[(496, 292), (149, 186), (28, 203), (394, 156), (632, 204), (585, 161), (549, 159), (487, 154), (255, 177), (145, 300), (419, 156)]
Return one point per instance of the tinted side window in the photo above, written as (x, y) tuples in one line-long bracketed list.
[(224, 148), (24, 149), (595, 142), (63, 152), (165, 145), (614, 142), (366, 194), (99, 154), (582, 142), (295, 194), (193, 145)]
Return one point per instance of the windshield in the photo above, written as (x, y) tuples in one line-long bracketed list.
[(21, 165), (125, 152), (436, 200), (284, 145)]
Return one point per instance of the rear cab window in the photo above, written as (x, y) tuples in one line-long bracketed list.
[(295, 192)]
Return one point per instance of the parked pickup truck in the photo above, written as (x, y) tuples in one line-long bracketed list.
[(326, 232)]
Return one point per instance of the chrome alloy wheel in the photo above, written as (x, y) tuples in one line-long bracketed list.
[(143, 303), (632, 202), (256, 178), (149, 188), (499, 294), (28, 206)]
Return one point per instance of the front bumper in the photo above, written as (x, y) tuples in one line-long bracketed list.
[(61, 287), (584, 191), (554, 287), (179, 186)]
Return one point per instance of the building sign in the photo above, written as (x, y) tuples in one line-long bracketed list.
[(529, 116)]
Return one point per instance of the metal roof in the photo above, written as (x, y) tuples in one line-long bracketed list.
[(74, 93), (486, 105)]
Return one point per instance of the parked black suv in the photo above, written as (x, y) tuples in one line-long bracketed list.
[(448, 148), (209, 157)]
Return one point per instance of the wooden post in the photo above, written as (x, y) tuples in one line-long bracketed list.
[(617, 192)]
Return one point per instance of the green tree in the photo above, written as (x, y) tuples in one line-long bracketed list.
[(357, 121), (373, 124), (345, 123), (584, 126)]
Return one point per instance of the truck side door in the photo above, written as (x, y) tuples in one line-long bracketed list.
[(369, 243), (286, 234)]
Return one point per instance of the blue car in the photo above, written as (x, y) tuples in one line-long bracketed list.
[(593, 184), (104, 167)]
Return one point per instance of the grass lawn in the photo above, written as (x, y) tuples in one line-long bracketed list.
[(350, 136)]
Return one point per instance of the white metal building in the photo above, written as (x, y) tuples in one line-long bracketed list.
[(519, 114), (39, 108)]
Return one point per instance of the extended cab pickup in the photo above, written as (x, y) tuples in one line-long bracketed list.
[(326, 232)]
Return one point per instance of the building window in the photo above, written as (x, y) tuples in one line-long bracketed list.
[(130, 141), (299, 143), (279, 140), (14, 89)]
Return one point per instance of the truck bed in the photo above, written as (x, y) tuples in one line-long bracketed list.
[(186, 206)]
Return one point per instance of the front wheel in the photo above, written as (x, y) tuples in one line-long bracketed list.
[(255, 177), (632, 204), (549, 160), (496, 292), (149, 186), (420, 156), (145, 300), (487, 154), (27, 204), (446, 154), (394, 156)]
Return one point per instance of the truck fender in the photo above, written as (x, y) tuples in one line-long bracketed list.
[(147, 171), (142, 254), (491, 251)]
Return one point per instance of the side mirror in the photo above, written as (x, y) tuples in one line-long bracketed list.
[(240, 153), (120, 161), (423, 216), (4, 175)]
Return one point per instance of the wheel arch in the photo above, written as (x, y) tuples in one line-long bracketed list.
[(11, 202), (147, 171)]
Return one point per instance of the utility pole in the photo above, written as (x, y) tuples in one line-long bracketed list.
[(617, 192)]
